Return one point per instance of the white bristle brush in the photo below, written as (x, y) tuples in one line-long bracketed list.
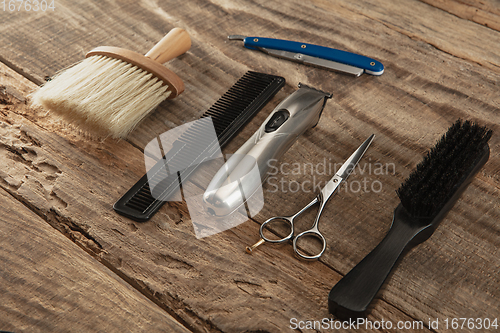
[(113, 89)]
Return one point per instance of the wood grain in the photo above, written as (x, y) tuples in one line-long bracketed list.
[(440, 65), (48, 284), (486, 13)]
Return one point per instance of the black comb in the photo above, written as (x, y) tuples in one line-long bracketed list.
[(233, 110), (426, 196)]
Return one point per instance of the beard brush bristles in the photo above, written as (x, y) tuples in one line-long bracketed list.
[(443, 170), (102, 95)]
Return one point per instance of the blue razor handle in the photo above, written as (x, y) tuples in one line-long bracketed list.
[(370, 66)]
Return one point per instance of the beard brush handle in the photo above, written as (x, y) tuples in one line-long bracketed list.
[(352, 295), (175, 43)]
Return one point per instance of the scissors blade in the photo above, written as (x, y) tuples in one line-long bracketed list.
[(344, 171), (349, 165)]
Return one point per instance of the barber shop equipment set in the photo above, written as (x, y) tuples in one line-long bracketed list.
[(113, 89)]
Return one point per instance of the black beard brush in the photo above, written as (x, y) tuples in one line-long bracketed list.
[(426, 196)]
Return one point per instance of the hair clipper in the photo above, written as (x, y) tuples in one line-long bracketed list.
[(235, 182)]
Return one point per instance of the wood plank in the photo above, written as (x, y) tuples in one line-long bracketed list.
[(438, 29), (486, 13), (211, 284), (48, 284), (438, 67)]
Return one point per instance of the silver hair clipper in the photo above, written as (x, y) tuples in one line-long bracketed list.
[(235, 182)]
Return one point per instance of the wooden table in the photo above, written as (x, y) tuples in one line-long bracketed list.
[(70, 263)]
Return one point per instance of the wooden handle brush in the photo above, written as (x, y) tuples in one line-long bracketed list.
[(113, 89)]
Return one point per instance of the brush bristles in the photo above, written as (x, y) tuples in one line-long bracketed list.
[(102, 95), (446, 166)]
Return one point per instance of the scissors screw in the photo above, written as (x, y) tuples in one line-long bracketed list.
[(256, 40), (372, 63), (249, 249), (303, 46)]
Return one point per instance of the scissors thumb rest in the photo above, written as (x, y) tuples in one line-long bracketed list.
[(322, 198)]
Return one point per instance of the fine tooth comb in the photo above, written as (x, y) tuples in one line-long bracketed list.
[(426, 196), (229, 114)]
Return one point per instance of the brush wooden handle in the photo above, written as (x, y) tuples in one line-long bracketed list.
[(175, 43)]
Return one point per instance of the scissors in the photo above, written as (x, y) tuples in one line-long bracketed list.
[(321, 199)]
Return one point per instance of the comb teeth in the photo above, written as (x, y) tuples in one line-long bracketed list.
[(443, 170), (141, 200), (241, 97), (233, 110)]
